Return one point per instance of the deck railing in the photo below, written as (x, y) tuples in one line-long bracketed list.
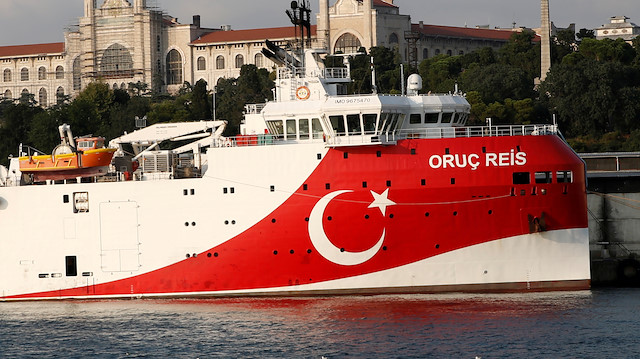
[(369, 138)]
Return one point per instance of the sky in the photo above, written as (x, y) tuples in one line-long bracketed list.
[(44, 21)]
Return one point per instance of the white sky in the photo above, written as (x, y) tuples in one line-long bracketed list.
[(42, 21)]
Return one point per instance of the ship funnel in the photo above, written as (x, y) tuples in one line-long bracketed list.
[(414, 85)]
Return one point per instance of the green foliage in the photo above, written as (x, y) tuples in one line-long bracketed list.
[(585, 34)]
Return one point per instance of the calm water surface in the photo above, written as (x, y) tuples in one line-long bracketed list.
[(603, 323)]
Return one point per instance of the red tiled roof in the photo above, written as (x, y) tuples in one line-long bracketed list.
[(462, 32), (36, 49), (382, 3), (249, 35)]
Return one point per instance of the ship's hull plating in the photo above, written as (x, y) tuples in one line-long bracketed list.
[(419, 216)]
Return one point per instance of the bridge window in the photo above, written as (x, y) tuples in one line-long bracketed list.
[(369, 121), (447, 117), (353, 124), (521, 178), (303, 125), (431, 117), (291, 129), (337, 123), (415, 118), (543, 177), (564, 176), (316, 127), (275, 127)]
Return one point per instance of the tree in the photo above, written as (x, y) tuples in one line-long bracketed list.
[(592, 98), (585, 34), (523, 53), (497, 82), (608, 50)]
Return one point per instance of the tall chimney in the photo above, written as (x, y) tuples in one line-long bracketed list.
[(324, 25), (196, 21), (367, 5), (545, 35)]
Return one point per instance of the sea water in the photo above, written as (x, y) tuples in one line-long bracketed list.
[(601, 323)]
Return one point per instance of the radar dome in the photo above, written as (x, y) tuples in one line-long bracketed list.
[(414, 84)]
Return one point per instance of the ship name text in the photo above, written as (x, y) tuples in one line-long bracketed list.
[(474, 160)]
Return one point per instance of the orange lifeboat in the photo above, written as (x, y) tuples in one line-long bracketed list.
[(84, 157)]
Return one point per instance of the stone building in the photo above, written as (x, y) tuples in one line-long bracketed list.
[(618, 27), (125, 41)]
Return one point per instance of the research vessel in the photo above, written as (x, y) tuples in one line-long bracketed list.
[(322, 193)]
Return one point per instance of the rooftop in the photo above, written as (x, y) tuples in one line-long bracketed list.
[(462, 32), (35, 49), (249, 35)]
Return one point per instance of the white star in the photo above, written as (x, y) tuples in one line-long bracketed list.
[(381, 201)]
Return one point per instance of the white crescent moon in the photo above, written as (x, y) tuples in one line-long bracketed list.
[(324, 246)]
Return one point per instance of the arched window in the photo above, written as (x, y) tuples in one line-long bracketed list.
[(347, 43), (59, 73), (59, 95), (437, 52), (7, 75), (202, 64), (24, 74), (115, 86), (449, 52), (42, 97), (220, 62), (425, 54), (259, 60), (174, 68), (24, 96), (116, 62), (123, 86), (42, 73), (8, 95), (393, 39), (239, 61)]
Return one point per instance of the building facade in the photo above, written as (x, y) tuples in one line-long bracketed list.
[(618, 27), (120, 42)]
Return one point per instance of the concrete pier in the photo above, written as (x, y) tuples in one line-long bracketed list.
[(614, 217)]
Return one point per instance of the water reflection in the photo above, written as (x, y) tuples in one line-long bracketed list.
[(453, 325)]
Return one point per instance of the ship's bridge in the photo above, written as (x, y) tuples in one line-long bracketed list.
[(357, 119)]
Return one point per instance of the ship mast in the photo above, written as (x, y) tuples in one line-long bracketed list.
[(300, 16)]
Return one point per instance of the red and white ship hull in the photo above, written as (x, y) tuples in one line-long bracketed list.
[(424, 215)]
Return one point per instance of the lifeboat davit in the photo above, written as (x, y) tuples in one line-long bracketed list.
[(72, 158)]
